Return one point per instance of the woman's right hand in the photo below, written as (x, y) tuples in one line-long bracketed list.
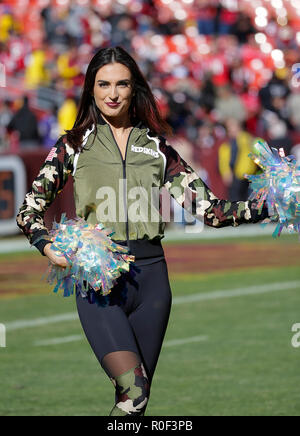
[(54, 259)]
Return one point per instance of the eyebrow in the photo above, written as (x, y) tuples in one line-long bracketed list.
[(105, 81)]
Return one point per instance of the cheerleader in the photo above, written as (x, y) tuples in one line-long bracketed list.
[(119, 161)]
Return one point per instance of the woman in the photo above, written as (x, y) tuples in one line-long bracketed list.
[(115, 153)]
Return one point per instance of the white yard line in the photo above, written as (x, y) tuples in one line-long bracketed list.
[(214, 295), (174, 342), (76, 338), (28, 323), (237, 292), (58, 341)]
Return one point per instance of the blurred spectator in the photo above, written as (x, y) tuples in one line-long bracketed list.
[(178, 105), (206, 16), (145, 24), (242, 28), (229, 105), (279, 107), (206, 156), (6, 25), (49, 128), (295, 151), (286, 38), (47, 15), (68, 68), (216, 62), (25, 123), (96, 30), (19, 51), (234, 162), (171, 27), (36, 73), (293, 107), (55, 27), (275, 123), (208, 94), (74, 24), (252, 106), (276, 131), (67, 114), (122, 30), (276, 87), (226, 19), (6, 115)]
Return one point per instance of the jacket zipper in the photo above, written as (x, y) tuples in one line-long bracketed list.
[(125, 180)]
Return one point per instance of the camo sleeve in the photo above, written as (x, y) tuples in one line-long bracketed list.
[(50, 181), (185, 186)]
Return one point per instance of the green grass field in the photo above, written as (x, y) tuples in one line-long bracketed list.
[(236, 357)]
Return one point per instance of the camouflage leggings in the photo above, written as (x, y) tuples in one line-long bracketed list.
[(132, 392), (132, 319)]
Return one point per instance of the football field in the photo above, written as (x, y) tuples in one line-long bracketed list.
[(228, 348)]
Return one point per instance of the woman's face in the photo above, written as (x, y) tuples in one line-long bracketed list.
[(113, 90)]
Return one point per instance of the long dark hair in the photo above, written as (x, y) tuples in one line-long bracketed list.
[(143, 106)]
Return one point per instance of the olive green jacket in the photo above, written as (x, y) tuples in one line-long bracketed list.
[(125, 194)]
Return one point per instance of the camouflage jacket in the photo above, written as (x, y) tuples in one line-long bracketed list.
[(150, 163)]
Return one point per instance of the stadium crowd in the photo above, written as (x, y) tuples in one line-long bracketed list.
[(223, 72)]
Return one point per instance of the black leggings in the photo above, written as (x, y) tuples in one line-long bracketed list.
[(133, 317)]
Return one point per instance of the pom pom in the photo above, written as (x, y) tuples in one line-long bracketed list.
[(278, 185), (94, 259)]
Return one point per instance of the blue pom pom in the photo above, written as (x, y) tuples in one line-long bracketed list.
[(94, 259), (278, 185)]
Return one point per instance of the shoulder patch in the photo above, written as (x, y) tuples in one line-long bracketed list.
[(51, 154)]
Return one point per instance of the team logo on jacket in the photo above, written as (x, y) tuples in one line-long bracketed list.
[(145, 150)]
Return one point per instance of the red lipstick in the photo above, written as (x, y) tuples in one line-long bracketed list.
[(113, 104)]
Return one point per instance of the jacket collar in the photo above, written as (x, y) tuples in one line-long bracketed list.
[(139, 124)]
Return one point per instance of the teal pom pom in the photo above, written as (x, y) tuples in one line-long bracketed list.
[(278, 185), (95, 260)]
